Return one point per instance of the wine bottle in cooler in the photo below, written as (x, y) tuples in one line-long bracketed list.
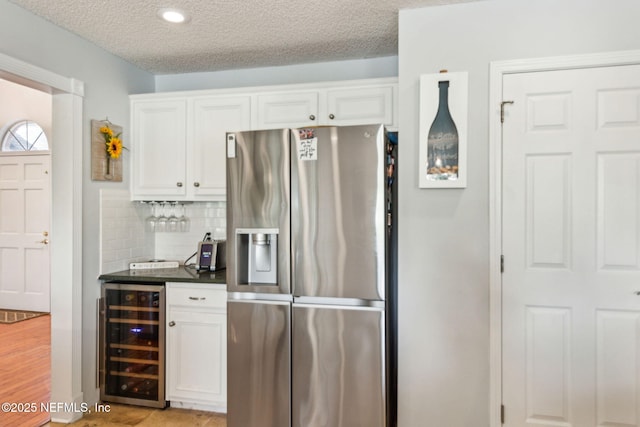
[(442, 141)]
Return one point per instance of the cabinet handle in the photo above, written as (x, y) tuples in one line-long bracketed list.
[(197, 298), (172, 323), (331, 116), (196, 184), (179, 184), (312, 117)]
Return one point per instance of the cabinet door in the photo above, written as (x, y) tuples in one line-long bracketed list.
[(360, 106), (158, 138), (197, 356), (210, 120), (282, 110)]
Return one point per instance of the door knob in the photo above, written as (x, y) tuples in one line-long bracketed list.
[(45, 233), (196, 184), (172, 323), (331, 116), (45, 241), (179, 184), (312, 117)]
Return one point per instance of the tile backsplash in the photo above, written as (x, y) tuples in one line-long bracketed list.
[(123, 238), (204, 217)]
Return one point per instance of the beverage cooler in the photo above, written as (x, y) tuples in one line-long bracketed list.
[(132, 351)]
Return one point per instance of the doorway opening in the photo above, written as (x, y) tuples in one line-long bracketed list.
[(25, 198)]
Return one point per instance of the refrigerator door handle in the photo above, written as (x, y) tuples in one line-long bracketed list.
[(254, 297), (339, 302)]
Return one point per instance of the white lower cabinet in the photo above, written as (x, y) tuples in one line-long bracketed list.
[(196, 346)]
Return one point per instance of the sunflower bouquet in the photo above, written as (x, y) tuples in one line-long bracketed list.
[(113, 142)]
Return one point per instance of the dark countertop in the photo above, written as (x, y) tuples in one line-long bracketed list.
[(180, 274)]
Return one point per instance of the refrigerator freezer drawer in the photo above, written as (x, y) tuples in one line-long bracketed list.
[(258, 363), (338, 367)]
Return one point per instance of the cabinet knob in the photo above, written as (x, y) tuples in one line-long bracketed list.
[(196, 184), (172, 323), (179, 184), (312, 117), (331, 116)]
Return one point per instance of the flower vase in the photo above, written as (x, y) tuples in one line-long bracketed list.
[(108, 168)]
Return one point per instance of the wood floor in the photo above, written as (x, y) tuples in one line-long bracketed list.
[(25, 378), (25, 370), (137, 416)]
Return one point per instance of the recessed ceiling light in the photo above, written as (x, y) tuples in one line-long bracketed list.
[(174, 16)]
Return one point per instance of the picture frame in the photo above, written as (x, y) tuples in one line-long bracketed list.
[(439, 167)]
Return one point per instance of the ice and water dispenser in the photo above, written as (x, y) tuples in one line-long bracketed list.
[(257, 252)]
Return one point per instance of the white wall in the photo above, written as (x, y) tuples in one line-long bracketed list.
[(19, 102), (444, 234), (107, 81), (301, 73)]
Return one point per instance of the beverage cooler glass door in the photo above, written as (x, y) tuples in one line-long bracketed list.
[(338, 366), (132, 359), (259, 364)]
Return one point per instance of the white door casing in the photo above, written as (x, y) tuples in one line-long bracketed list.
[(571, 241), (25, 212)]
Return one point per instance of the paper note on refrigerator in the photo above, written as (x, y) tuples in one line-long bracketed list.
[(308, 149)]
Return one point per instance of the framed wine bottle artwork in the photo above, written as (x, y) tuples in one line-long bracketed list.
[(443, 130)]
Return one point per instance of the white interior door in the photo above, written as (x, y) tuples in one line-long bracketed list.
[(25, 200), (571, 242)]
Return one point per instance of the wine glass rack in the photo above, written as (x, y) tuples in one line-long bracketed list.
[(132, 352)]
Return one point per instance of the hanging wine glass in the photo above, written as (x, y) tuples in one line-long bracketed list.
[(161, 224), (151, 221), (172, 221), (183, 221)]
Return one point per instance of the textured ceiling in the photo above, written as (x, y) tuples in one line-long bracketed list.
[(230, 34)]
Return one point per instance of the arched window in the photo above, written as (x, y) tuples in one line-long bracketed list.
[(24, 135)]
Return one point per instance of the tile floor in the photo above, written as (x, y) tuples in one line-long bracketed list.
[(137, 416)]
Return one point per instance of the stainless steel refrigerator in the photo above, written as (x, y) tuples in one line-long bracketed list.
[(311, 278)]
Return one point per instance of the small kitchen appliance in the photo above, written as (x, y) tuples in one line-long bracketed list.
[(211, 255)]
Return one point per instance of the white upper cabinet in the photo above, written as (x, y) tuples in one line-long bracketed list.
[(287, 109), (369, 103), (178, 139), (212, 118), (158, 148), (358, 106), (179, 145)]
